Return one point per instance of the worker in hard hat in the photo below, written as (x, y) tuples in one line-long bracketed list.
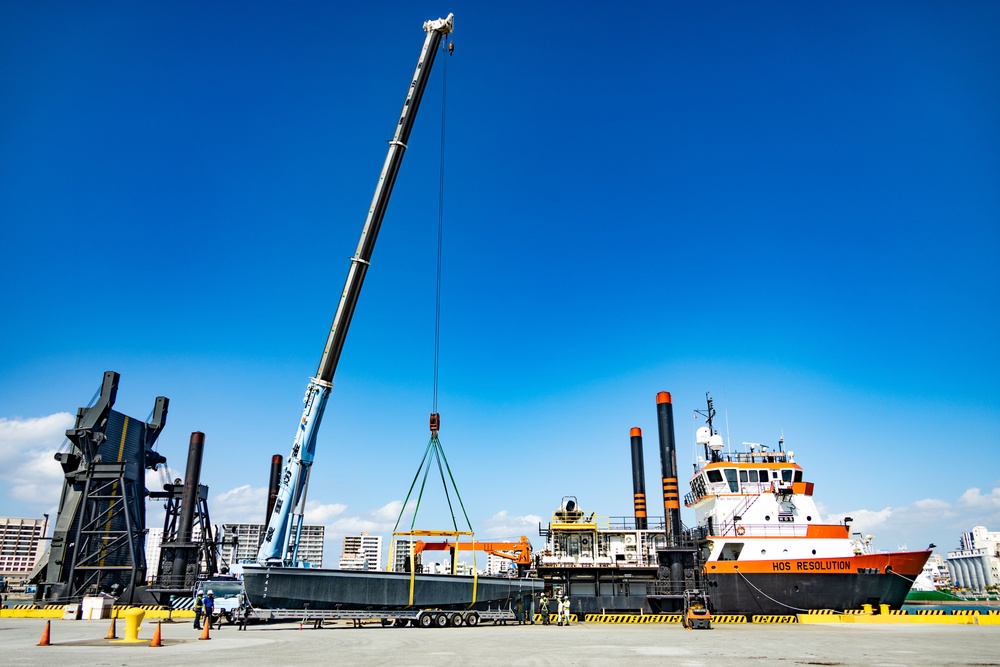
[(209, 607), (564, 609), (543, 604), (199, 609)]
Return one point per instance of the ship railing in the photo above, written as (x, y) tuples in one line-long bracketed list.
[(763, 529)]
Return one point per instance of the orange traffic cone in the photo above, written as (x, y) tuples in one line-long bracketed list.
[(204, 629), (112, 631), (45, 635), (156, 636)]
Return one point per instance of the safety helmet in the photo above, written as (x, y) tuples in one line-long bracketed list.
[(211, 593)]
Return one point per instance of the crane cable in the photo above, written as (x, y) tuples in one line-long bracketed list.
[(440, 237), (434, 453)]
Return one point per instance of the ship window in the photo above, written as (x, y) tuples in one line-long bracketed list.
[(786, 475), (731, 551), (743, 475), (753, 475), (714, 476), (731, 478), (798, 475), (764, 476)]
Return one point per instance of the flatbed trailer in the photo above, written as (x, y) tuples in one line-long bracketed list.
[(419, 618)]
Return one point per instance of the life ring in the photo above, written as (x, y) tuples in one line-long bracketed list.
[(740, 530)]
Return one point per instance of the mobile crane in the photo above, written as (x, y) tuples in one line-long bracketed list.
[(284, 528)]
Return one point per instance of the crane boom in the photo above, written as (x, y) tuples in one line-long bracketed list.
[(279, 544)]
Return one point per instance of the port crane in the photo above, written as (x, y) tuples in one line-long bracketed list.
[(284, 528)]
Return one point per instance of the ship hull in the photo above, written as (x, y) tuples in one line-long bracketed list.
[(321, 589), (785, 594), (788, 587)]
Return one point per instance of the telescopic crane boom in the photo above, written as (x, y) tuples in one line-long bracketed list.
[(281, 539)]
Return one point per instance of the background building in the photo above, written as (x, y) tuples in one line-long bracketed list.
[(361, 552), (21, 545), (400, 552), (242, 540), (976, 564)]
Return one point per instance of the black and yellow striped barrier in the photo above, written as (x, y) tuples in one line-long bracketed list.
[(821, 611), (632, 618), (930, 612), (729, 618), (965, 612), (773, 618), (555, 621)]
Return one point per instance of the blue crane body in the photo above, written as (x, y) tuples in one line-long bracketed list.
[(281, 538)]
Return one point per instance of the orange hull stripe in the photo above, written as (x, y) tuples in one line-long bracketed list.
[(905, 563)]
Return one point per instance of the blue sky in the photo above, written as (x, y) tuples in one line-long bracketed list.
[(793, 206)]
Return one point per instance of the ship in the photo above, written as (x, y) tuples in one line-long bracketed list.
[(319, 589), (759, 546)]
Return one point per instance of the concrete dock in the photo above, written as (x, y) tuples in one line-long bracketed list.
[(82, 642)]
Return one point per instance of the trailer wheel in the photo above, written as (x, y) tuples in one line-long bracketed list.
[(441, 620), (386, 622), (455, 620), (400, 623), (425, 620), (472, 620)]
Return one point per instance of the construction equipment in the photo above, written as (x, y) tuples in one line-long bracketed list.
[(98, 543), (281, 539), (697, 615), (519, 552)]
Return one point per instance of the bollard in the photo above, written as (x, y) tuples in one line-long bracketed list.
[(133, 620)]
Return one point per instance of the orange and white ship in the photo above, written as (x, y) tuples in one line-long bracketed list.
[(765, 547), (759, 544)]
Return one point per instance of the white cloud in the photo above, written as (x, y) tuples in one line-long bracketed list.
[(389, 511), (317, 513), (244, 504), (504, 525), (974, 499), (30, 478), (926, 520)]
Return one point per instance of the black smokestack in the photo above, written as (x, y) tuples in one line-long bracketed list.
[(668, 464), (275, 483), (189, 498), (638, 480)]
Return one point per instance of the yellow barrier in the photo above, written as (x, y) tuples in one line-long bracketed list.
[(729, 618), (56, 611), (769, 618), (632, 618)]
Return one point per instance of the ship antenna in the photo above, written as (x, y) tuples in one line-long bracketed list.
[(709, 415)]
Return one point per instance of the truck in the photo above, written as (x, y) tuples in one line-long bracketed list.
[(230, 602)]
